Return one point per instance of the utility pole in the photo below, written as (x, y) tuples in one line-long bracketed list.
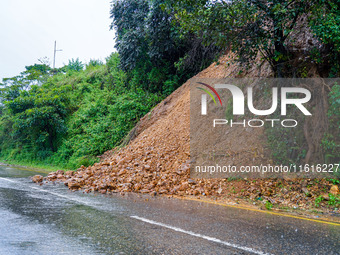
[(55, 51)]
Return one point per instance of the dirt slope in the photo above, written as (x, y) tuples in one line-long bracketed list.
[(157, 159)]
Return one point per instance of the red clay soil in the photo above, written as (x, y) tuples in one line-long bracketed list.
[(157, 159)]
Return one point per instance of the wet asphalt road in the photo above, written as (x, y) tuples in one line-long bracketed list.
[(50, 219)]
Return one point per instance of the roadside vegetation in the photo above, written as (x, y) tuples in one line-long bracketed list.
[(69, 116), (66, 117)]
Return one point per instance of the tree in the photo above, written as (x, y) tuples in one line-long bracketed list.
[(11, 87), (248, 27), (39, 116), (37, 73), (129, 23), (151, 46), (75, 65), (325, 23)]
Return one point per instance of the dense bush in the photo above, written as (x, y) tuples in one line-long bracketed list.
[(155, 54), (331, 140), (73, 116), (247, 27), (325, 23)]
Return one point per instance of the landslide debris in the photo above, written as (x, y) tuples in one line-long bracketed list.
[(157, 158)]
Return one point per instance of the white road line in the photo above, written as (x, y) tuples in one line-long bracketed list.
[(212, 239), (50, 192), (5, 179)]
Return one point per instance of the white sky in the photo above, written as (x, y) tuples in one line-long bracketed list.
[(28, 29)]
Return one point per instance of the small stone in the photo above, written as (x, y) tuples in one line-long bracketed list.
[(191, 181), (267, 193), (37, 178), (334, 190), (144, 191), (121, 172), (306, 191), (59, 172), (69, 173), (253, 196), (73, 185), (325, 196), (137, 186), (195, 192)]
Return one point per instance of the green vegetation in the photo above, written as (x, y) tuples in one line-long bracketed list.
[(325, 22), (334, 181), (250, 28), (153, 51), (66, 117), (318, 200), (288, 146), (72, 116), (334, 200), (247, 27), (331, 140), (268, 205)]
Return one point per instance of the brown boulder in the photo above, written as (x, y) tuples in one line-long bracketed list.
[(334, 190), (69, 173), (51, 176), (73, 185), (37, 178), (137, 186), (195, 192), (59, 172), (122, 172), (325, 197)]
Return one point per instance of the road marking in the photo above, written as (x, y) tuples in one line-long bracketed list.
[(212, 239), (50, 192), (5, 179), (182, 230), (261, 211), (150, 221)]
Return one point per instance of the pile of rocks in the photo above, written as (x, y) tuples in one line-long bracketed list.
[(157, 161)]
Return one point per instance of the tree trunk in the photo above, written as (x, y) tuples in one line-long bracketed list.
[(50, 139)]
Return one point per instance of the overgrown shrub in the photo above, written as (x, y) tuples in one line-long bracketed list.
[(72, 117)]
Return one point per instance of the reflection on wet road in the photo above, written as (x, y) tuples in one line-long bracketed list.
[(50, 219)]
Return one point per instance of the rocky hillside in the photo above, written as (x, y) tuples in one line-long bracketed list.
[(156, 159)]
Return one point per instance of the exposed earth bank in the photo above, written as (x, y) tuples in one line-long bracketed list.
[(156, 160)]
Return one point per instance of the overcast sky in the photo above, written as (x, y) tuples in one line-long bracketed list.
[(29, 28)]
